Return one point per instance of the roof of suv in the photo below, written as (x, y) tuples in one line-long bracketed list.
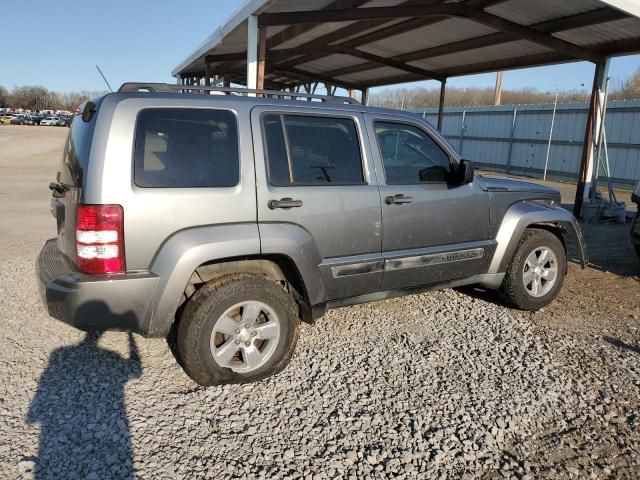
[(255, 101)]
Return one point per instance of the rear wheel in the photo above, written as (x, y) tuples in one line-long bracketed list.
[(537, 270), (237, 329)]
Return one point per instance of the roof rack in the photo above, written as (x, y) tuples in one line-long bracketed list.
[(166, 87)]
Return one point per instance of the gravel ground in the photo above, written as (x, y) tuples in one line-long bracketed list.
[(439, 385)]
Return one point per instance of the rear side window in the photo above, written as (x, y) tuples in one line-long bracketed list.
[(186, 148), (309, 150)]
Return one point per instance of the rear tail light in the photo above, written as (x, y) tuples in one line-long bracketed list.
[(100, 238)]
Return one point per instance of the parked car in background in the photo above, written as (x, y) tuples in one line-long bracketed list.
[(23, 120), (6, 118), (37, 118), (237, 217), (50, 121), (63, 122)]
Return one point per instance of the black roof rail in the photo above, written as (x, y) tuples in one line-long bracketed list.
[(166, 87)]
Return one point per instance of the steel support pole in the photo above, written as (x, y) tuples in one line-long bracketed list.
[(592, 131), (597, 125), (252, 53), (207, 78), (462, 130), (514, 123), (443, 90), (553, 120)]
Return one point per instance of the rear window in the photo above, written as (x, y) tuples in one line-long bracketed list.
[(179, 148), (77, 149)]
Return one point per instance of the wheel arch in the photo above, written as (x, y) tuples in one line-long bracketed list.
[(277, 267), (525, 215), (235, 248)]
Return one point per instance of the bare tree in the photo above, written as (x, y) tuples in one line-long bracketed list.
[(419, 97), (4, 97), (36, 97), (629, 88)]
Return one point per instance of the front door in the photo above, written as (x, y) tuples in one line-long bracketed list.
[(315, 179), (433, 229)]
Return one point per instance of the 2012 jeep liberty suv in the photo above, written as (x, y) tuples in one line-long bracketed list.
[(235, 217)]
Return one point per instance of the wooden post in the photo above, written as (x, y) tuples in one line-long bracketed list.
[(443, 89), (262, 54), (497, 99), (365, 96)]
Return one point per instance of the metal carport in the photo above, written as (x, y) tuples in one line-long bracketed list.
[(358, 44)]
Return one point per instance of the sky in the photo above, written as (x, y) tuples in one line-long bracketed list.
[(58, 43)]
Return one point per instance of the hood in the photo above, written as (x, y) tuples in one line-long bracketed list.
[(497, 184)]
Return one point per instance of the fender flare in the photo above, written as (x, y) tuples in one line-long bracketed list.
[(526, 214), (295, 242), (179, 257)]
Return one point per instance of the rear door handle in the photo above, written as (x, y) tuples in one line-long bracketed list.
[(398, 199), (284, 203)]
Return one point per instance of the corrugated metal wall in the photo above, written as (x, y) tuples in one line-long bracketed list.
[(515, 139)]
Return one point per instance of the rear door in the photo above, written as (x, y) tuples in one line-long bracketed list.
[(433, 229), (314, 171)]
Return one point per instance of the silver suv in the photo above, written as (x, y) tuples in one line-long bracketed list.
[(235, 217)]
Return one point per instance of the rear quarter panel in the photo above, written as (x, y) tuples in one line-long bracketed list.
[(152, 215)]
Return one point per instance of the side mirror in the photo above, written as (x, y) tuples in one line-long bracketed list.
[(465, 172)]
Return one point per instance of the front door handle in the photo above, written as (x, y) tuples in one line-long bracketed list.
[(398, 199), (284, 203)]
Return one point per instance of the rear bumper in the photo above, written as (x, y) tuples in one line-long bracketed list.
[(93, 302)]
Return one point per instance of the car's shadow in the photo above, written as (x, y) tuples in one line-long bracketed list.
[(83, 421)]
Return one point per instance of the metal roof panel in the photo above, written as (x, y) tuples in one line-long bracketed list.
[(527, 12), (605, 32), (446, 31), (519, 48)]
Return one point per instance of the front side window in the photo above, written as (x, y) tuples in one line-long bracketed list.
[(182, 148), (410, 156), (308, 150)]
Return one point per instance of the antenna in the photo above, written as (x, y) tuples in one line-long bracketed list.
[(104, 78)]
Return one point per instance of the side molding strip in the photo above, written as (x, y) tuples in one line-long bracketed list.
[(434, 259), (378, 264)]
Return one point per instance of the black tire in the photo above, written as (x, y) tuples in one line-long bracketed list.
[(637, 247), (512, 291), (209, 303)]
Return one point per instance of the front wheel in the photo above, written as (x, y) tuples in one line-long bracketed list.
[(237, 329), (537, 271)]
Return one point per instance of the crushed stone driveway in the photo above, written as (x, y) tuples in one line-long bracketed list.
[(440, 385)]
